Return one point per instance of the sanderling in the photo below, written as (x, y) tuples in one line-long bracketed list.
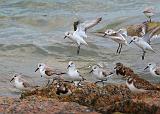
[(149, 12), (141, 44), (137, 84), (80, 32), (73, 74), (100, 73), (154, 70), (123, 70), (48, 73), (117, 36), (20, 83)]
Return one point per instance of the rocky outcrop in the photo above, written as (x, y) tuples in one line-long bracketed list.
[(107, 99)]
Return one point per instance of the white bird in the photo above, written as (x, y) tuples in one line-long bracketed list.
[(141, 44), (73, 74), (49, 73), (80, 32), (149, 12), (117, 36), (154, 70), (20, 83), (100, 73)]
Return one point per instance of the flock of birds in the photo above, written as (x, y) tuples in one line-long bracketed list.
[(100, 72)]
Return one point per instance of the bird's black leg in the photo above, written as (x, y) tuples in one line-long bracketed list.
[(144, 52), (118, 48), (48, 83), (150, 19), (78, 50)]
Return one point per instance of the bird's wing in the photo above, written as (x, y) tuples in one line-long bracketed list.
[(89, 24), (157, 71), (143, 84), (25, 82), (147, 37), (49, 72)]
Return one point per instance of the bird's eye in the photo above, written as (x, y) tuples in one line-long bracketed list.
[(149, 64)]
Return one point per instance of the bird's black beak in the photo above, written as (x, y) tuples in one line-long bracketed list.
[(65, 37), (146, 68), (68, 66), (36, 69), (130, 41), (115, 67), (104, 35), (11, 79), (91, 71)]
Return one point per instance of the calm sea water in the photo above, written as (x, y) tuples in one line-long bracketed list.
[(32, 31)]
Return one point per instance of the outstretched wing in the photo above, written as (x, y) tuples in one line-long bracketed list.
[(147, 37), (89, 24)]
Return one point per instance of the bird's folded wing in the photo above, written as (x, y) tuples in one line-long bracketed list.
[(157, 71), (143, 84)]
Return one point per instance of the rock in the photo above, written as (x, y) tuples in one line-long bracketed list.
[(107, 99), (40, 105)]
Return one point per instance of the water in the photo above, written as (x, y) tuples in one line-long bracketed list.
[(32, 32)]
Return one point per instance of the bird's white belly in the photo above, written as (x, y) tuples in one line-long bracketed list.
[(19, 86), (134, 89), (74, 76)]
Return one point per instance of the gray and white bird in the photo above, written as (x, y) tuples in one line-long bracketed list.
[(141, 43), (21, 83), (117, 36), (79, 32), (101, 74), (149, 12), (154, 69), (48, 72), (73, 75)]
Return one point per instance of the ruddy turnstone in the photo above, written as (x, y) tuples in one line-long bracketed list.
[(100, 73), (20, 83), (80, 32), (149, 12), (141, 44), (154, 70), (137, 84), (48, 73), (73, 74), (123, 70), (62, 89), (117, 36)]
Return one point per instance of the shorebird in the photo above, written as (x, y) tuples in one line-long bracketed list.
[(137, 84), (141, 43), (123, 70), (79, 32), (48, 73), (20, 83), (117, 36), (100, 73), (149, 12), (62, 89), (73, 74), (154, 70)]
